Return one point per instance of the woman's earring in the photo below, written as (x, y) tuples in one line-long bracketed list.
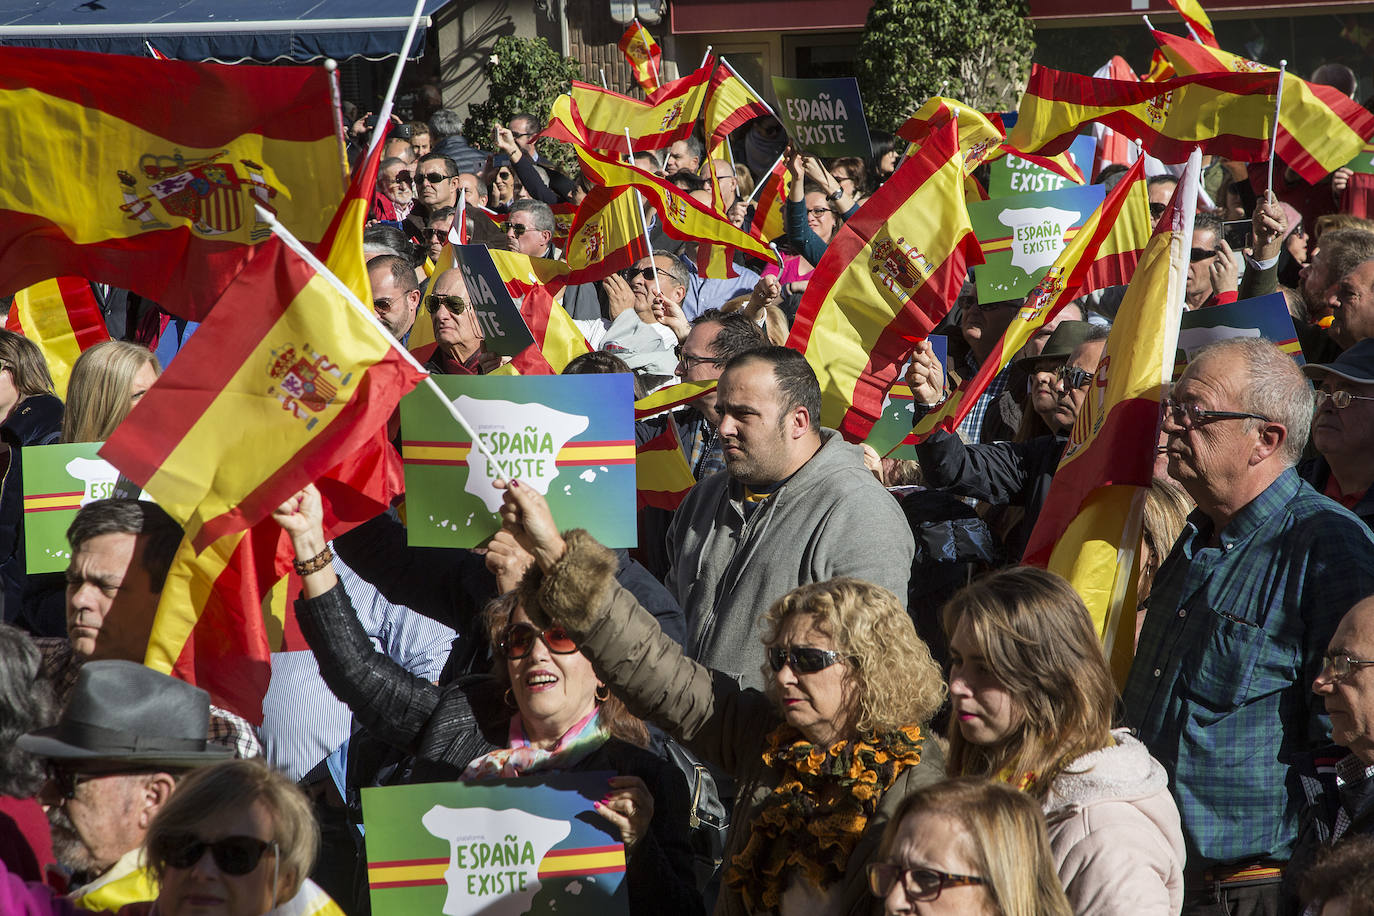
[(510, 698), (603, 693)]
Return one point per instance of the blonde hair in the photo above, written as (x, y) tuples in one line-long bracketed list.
[(1166, 512), (896, 681), (101, 384), (234, 785), (616, 719), (1004, 841), (1038, 639)]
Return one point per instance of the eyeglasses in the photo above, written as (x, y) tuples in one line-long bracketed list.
[(1073, 376), (1201, 254), (383, 303), (1339, 399), (689, 360), (522, 136), (514, 229), (234, 855), (1189, 416), (820, 211), (921, 885), (504, 175), (456, 305), (802, 659), (518, 640), (432, 177), (1342, 666), (437, 233), (400, 178)]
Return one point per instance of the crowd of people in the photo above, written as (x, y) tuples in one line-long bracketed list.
[(824, 682)]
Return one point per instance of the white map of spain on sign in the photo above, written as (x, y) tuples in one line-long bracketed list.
[(1037, 234), (525, 438), (494, 856)]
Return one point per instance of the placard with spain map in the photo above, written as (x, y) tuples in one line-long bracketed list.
[(1022, 236), (571, 437)]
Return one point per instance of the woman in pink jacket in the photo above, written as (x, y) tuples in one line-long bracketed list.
[(1032, 701)]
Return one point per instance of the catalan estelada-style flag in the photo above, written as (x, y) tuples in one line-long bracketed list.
[(594, 118), (1199, 23), (662, 475), (1125, 215), (606, 236), (730, 103), (1227, 114), (1320, 127), (681, 215), (1089, 530), (151, 169), (643, 55), (62, 319), (888, 277)]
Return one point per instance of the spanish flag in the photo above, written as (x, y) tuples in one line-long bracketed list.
[(1199, 23), (144, 173), (672, 397), (62, 319), (662, 475), (1227, 114), (590, 117), (887, 278), (643, 55), (980, 135), (1121, 222), (606, 236), (557, 340), (768, 223), (1089, 529), (1320, 128), (730, 103), (681, 215)]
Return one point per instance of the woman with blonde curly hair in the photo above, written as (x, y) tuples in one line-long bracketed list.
[(1033, 701), (107, 381), (820, 760)]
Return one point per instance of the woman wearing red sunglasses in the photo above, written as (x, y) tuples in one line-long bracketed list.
[(543, 709), (820, 760)]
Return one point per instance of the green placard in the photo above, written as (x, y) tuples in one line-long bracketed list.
[(1012, 175), (1363, 161), (59, 480), (1022, 236), (571, 437), (825, 117)]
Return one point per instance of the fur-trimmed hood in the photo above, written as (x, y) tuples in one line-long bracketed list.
[(1123, 772)]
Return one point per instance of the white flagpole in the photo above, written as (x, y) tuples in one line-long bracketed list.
[(1278, 107), (384, 115), (759, 187), (644, 224)]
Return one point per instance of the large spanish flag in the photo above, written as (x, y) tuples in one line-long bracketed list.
[(1320, 128), (144, 173), (980, 135), (1089, 529), (730, 103), (1227, 114), (887, 278), (606, 235), (681, 215), (596, 118), (1124, 219), (63, 319), (643, 55)]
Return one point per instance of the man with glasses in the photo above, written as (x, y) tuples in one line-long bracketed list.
[(529, 229), (395, 293), (1239, 617), (395, 193), (642, 334), (1007, 473), (1213, 275), (436, 182), (457, 336), (1344, 430), (125, 736), (1339, 779), (437, 229)]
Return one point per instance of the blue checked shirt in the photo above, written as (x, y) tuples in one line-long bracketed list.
[(972, 427), (1220, 688)]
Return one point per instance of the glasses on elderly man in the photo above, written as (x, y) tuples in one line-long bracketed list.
[(234, 855), (1189, 416), (921, 885), (1339, 399), (514, 229), (1073, 376), (455, 304), (1342, 666)]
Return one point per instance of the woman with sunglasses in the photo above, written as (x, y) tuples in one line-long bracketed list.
[(541, 709), (1033, 701), (967, 847), (820, 760)]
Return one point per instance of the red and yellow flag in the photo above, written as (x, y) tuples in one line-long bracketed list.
[(557, 339), (594, 118), (681, 216), (980, 135), (730, 103), (1227, 114), (1199, 23), (1320, 127), (643, 55), (150, 169), (887, 278), (62, 319), (662, 475), (606, 236), (1089, 529), (768, 206), (1122, 221)]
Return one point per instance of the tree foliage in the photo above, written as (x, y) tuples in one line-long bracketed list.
[(526, 75), (910, 48)]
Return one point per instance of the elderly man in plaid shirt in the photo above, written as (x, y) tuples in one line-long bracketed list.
[(1239, 617)]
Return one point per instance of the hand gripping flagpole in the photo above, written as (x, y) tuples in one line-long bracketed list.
[(384, 115), (319, 267), (1274, 137)]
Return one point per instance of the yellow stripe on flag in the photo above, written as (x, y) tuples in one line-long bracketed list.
[(190, 580), (569, 454)]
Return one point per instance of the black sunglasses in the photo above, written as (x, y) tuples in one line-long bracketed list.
[(1201, 254), (455, 304), (234, 855), (432, 177), (802, 659), (401, 178), (1073, 376), (518, 640)]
